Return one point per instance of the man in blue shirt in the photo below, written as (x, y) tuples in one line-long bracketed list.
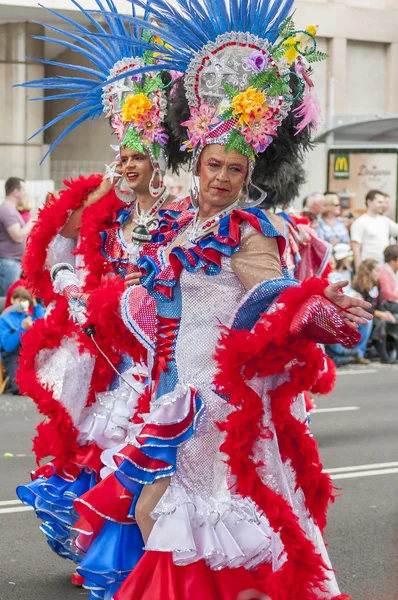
[(14, 322)]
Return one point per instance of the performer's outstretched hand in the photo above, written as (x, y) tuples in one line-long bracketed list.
[(355, 309)]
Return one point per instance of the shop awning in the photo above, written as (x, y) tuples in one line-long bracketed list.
[(378, 129)]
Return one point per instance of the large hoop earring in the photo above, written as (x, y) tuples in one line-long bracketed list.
[(126, 196), (156, 191), (194, 191)]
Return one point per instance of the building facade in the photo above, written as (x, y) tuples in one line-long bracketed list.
[(359, 80)]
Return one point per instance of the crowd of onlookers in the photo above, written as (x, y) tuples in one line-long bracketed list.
[(364, 253)]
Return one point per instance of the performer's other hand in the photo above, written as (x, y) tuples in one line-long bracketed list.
[(355, 310), (132, 279)]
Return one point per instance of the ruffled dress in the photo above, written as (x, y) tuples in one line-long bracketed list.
[(213, 535)]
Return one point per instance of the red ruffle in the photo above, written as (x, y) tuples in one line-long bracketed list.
[(108, 500), (88, 457), (265, 351), (155, 577)]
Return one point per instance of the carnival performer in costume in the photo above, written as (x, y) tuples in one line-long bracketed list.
[(81, 255), (220, 477)]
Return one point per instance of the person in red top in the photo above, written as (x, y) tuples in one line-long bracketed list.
[(388, 281)]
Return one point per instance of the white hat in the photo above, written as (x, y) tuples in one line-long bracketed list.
[(341, 251)]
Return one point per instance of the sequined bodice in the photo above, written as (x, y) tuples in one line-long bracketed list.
[(208, 302)]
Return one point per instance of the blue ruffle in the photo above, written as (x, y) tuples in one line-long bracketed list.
[(52, 500), (112, 555), (223, 243)]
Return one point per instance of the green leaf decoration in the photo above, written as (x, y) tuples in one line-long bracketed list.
[(277, 88), (136, 88), (156, 149), (262, 79), (133, 141), (230, 91), (227, 114), (237, 142), (316, 56), (286, 28), (279, 53), (148, 57), (151, 84)]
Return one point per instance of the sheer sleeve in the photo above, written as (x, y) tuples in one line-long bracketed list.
[(257, 260)]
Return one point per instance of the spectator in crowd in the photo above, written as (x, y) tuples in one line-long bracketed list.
[(25, 209), (342, 267), (314, 204), (342, 271), (388, 281), (14, 322), (331, 227), (13, 233), (385, 324), (371, 233)]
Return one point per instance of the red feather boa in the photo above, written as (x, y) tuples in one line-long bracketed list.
[(263, 352), (57, 436), (51, 218)]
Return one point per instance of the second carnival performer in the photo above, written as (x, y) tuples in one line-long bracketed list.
[(81, 255), (220, 477)]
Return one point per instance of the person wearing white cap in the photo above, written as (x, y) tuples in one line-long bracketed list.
[(343, 257)]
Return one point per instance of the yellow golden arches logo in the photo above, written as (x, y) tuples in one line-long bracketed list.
[(342, 166)]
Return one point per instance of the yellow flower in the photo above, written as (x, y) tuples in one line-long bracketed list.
[(135, 106), (312, 29), (291, 53), (248, 102)]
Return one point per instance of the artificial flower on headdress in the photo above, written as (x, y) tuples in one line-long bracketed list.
[(199, 123), (135, 107)]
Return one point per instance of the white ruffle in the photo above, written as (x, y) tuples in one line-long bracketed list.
[(225, 532), (67, 372), (60, 250), (169, 409), (107, 420)]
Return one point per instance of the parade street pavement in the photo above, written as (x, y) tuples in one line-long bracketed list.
[(356, 428)]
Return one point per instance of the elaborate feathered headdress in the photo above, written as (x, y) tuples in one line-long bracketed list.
[(135, 102), (246, 80)]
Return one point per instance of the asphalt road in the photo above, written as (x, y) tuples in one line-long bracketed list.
[(359, 444)]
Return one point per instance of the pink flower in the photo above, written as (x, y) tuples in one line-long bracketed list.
[(148, 125), (260, 130), (199, 123), (118, 126)]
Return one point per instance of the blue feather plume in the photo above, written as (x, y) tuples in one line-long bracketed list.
[(93, 42)]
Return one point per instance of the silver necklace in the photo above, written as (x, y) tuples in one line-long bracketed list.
[(141, 233), (200, 229)]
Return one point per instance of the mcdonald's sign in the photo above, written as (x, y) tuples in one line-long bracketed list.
[(342, 166)]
